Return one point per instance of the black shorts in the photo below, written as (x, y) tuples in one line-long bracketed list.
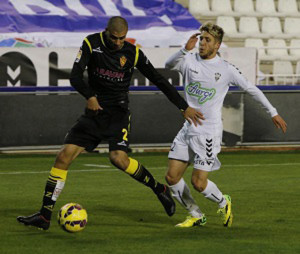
[(111, 124)]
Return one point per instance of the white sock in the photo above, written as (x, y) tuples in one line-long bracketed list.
[(181, 192), (212, 193)]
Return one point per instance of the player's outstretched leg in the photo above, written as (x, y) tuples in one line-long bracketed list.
[(166, 199), (226, 212), (181, 192), (54, 186), (141, 174), (36, 220), (212, 193)]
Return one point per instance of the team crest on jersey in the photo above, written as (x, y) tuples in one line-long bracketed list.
[(203, 94), (123, 61), (217, 76)]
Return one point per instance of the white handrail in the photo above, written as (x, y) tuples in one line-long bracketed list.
[(280, 78)]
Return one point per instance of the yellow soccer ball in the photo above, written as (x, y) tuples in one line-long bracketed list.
[(72, 217)]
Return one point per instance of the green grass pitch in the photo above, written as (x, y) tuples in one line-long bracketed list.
[(125, 216)]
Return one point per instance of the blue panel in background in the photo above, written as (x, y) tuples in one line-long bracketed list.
[(56, 16), (279, 88)]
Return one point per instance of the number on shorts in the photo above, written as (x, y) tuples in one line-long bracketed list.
[(125, 134)]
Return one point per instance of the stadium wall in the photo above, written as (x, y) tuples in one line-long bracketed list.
[(44, 67), (43, 120)]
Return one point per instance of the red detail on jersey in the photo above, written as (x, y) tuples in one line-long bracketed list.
[(111, 74)]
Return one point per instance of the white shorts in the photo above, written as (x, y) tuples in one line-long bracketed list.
[(202, 150)]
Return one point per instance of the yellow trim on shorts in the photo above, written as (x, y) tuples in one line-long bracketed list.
[(129, 124), (132, 167), (136, 55), (58, 174), (89, 44)]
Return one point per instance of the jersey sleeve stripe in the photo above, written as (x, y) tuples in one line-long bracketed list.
[(136, 55), (102, 40), (89, 44)]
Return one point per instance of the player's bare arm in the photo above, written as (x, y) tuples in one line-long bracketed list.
[(191, 43), (279, 123), (92, 104), (193, 116)]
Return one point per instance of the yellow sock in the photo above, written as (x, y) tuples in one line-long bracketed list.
[(58, 174), (132, 167)]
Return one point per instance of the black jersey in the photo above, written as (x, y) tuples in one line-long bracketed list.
[(110, 72)]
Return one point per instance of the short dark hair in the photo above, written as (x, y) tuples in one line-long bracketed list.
[(117, 23), (216, 31)]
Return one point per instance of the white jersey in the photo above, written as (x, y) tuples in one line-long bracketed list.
[(206, 83)]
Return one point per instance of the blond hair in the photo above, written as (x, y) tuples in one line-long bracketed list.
[(216, 31)]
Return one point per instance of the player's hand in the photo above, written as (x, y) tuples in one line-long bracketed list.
[(279, 123), (191, 43), (193, 116), (93, 104)]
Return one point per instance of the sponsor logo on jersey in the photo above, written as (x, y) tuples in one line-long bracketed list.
[(203, 94), (78, 57), (217, 76), (194, 71), (108, 74), (123, 61), (98, 50)]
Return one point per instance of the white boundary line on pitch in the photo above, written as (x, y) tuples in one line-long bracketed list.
[(43, 172), (97, 165), (261, 165), (107, 169)]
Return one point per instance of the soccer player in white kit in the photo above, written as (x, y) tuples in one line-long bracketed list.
[(206, 80)]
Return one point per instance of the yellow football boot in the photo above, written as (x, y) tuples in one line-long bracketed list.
[(226, 212), (192, 222)]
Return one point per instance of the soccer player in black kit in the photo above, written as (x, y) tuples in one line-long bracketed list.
[(110, 62)]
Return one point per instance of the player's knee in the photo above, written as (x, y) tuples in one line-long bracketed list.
[(63, 160), (199, 184), (171, 180), (66, 155), (114, 158), (119, 160)]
